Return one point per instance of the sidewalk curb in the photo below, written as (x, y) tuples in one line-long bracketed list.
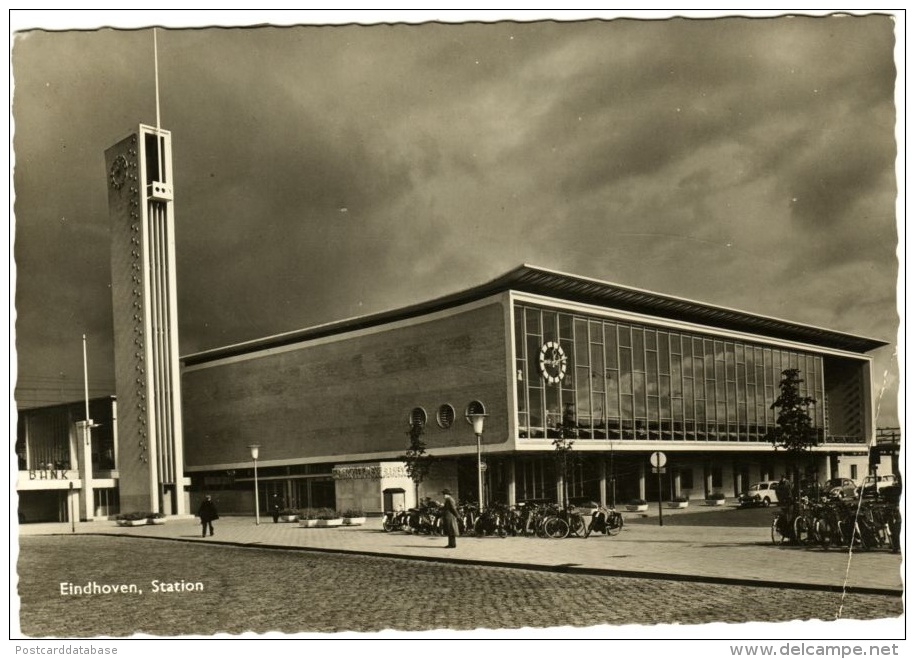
[(562, 568)]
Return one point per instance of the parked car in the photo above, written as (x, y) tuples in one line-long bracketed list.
[(874, 485), (840, 488), (762, 494)]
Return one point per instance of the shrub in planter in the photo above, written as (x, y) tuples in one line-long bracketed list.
[(353, 517), (308, 517), (155, 518), (635, 505), (329, 517), (679, 502), (132, 519), (715, 499), (288, 515)]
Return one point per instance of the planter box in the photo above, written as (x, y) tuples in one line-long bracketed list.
[(715, 502), (131, 522), (155, 520), (637, 508), (677, 504), (289, 518), (308, 523), (353, 521), (330, 522)]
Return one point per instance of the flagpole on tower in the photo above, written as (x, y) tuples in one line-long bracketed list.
[(156, 66)]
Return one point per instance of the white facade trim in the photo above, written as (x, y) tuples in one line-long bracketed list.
[(678, 325)]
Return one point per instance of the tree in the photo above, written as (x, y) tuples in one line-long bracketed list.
[(418, 463), (794, 430), (563, 454)]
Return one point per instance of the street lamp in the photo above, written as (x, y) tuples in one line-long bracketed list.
[(255, 451), (476, 416)]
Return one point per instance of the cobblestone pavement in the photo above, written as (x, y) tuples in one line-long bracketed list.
[(266, 591), (723, 554)]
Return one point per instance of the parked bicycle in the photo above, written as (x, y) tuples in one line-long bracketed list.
[(565, 522), (606, 520), (394, 520), (834, 522), (492, 521), (467, 518)]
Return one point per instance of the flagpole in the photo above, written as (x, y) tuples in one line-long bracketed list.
[(85, 379)]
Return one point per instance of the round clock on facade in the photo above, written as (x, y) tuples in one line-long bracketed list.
[(553, 362), (118, 172)]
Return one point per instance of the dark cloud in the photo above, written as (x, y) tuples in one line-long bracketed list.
[(327, 172)]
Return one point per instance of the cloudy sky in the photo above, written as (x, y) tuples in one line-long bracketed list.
[(325, 172)]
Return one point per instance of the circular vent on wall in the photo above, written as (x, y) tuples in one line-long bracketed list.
[(473, 407), (418, 417), (445, 416)]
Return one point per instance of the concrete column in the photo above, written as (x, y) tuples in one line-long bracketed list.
[(86, 508), (602, 483), (641, 479), (510, 482)]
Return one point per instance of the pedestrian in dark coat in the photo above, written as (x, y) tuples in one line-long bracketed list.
[(207, 513), (276, 505), (450, 519)]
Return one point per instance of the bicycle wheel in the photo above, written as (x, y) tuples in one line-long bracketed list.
[(556, 528), (865, 533), (388, 525), (823, 533), (614, 524), (577, 527), (541, 526), (778, 535), (801, 530)]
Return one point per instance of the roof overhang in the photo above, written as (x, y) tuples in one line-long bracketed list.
[(574, 288)]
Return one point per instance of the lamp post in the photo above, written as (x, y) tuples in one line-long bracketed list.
[(255, 451), (477, 418)]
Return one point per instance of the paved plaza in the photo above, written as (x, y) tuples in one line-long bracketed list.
[(715, 554)]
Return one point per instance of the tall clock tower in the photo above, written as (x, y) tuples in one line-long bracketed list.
[(144, 301)]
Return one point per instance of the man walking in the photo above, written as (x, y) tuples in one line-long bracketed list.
[(207, 513), (450, 520)]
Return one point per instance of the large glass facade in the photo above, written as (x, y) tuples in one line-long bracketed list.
[(629, 381)]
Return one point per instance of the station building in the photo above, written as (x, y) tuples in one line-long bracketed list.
[(621, 372), (626, 371)]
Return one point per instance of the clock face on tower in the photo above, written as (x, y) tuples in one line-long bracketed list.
[(553, 362), (117, 175)]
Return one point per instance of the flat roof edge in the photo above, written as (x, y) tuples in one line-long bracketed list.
[(577, 288)]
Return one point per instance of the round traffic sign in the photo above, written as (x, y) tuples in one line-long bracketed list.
[(658, 459)]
